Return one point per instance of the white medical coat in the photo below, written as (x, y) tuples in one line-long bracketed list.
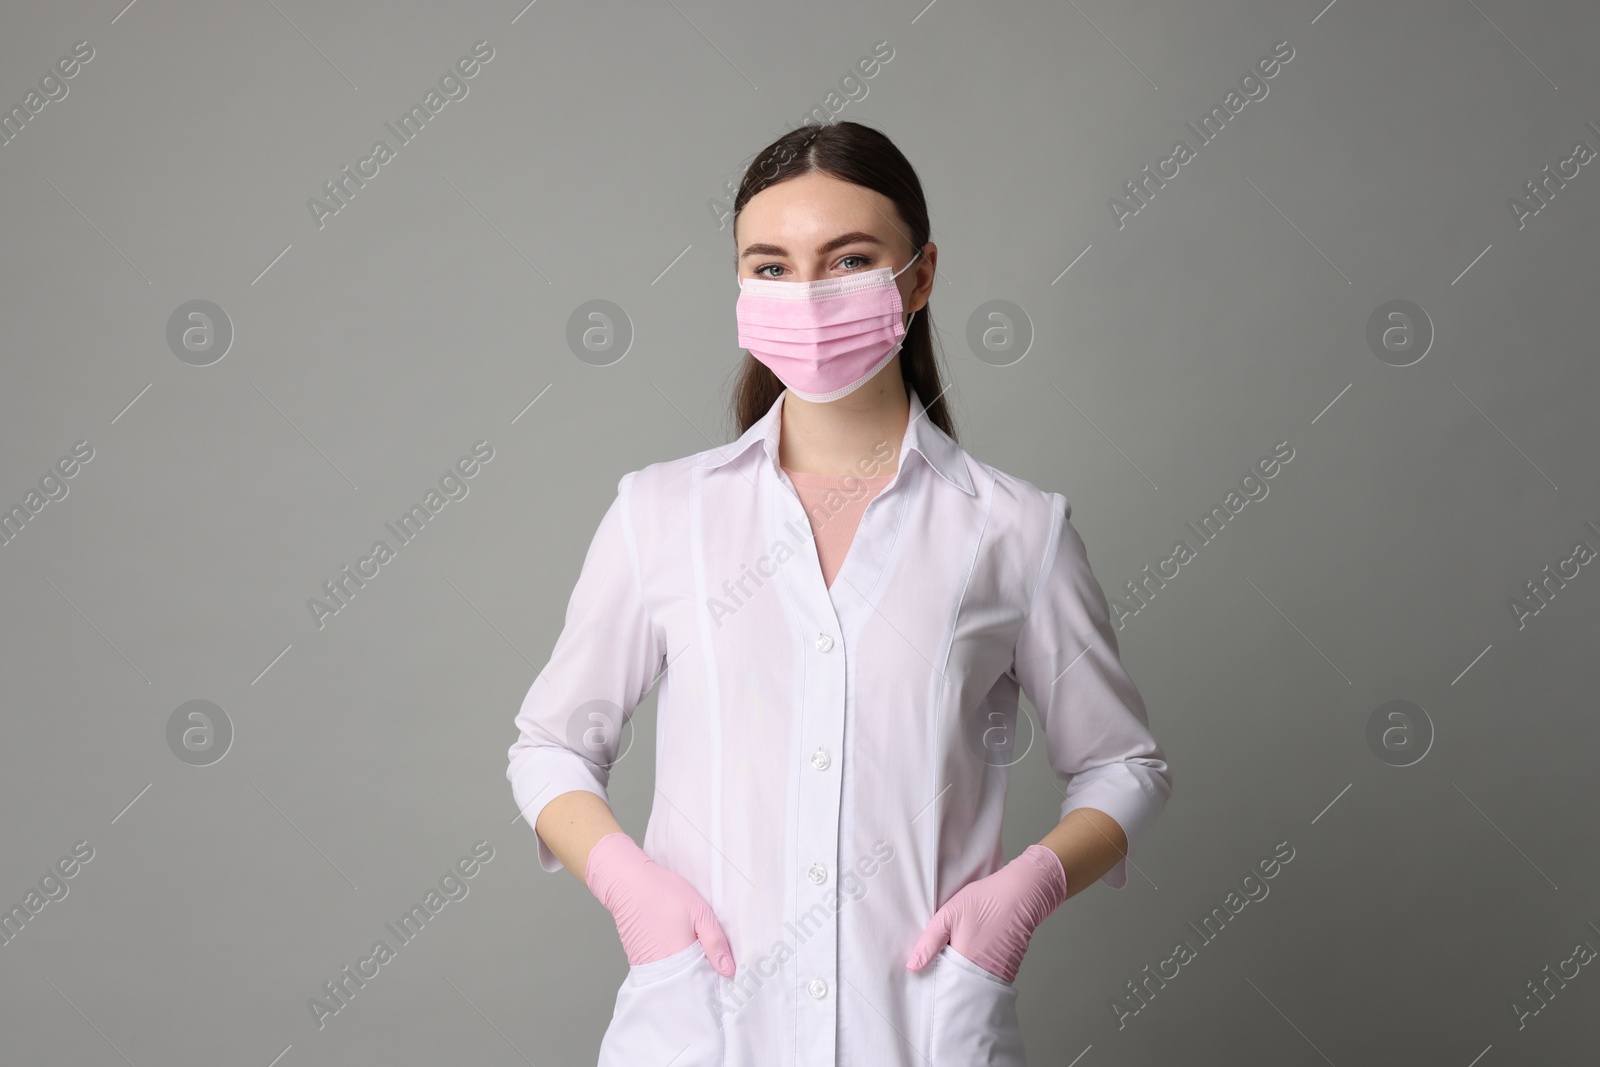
[(831, 762)]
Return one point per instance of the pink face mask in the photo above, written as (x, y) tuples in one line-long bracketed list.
[(823, 339)]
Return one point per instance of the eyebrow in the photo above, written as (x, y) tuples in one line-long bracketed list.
[(854, 237)]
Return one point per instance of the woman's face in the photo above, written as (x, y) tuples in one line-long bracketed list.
[(817, 226)]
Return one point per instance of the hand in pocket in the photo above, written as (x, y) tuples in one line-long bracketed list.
[(658, 914), (991, 920)]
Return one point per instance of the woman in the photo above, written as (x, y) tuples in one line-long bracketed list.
[(841, 606)]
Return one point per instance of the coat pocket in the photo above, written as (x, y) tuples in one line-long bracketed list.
[(666, 1012), (974, 1016)]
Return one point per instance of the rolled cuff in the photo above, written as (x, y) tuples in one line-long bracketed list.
[(1132, 792), (540, 776)]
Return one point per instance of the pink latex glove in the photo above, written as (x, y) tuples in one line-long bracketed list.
[(657, 912), (991, 920)]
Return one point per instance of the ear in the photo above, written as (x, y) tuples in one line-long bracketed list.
[(923, 290)]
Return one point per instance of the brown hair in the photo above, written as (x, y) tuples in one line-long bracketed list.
[(862, 156)]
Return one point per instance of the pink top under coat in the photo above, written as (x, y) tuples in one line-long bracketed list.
[(834, 503)]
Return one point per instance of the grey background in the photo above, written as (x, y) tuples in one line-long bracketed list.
[(370, 354)]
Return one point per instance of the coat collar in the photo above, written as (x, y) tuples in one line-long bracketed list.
[(922, 436)]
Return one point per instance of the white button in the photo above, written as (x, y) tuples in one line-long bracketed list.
[(818, 874), (824, 642), (817, 988), (819, 760)]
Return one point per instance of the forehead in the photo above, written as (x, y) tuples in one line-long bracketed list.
[(811, 208)]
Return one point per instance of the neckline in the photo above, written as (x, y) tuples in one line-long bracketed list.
[(837, 479)]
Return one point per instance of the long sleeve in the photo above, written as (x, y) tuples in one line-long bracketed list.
[(1095, 726), (607, 656)]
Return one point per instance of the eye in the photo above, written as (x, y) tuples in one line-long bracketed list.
[(852, 255), (763, 267)]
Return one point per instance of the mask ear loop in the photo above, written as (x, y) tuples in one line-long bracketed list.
[(897, 274)]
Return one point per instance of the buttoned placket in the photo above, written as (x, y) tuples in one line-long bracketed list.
[(828, 617), (821, 728)]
